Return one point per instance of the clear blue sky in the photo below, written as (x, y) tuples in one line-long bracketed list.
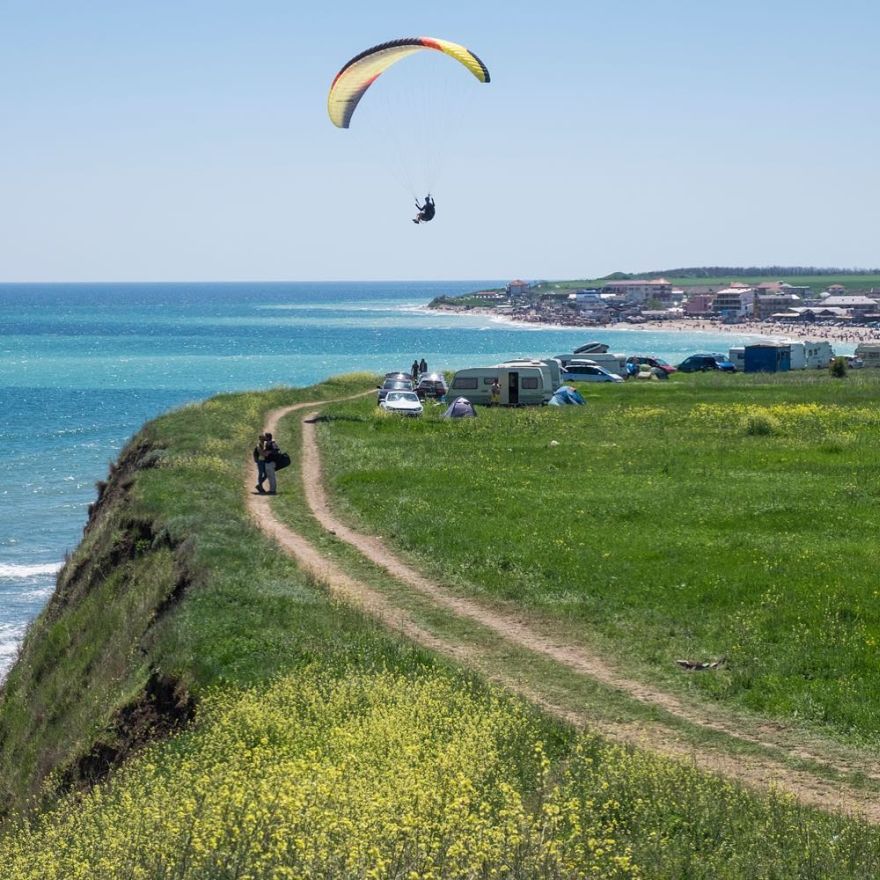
[(189, 140)]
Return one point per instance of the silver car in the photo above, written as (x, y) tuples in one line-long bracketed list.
[(581, 372)]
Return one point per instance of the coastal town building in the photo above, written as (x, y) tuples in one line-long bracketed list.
[(767, 304), (814, 313), (517, 287), (855, 305), (641, 292), (734, 302), (699, 304), (586, 295), (780, 288)]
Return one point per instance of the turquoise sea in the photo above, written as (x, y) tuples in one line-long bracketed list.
[(82, 366)]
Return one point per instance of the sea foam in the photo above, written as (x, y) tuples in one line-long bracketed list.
[(12, 571)]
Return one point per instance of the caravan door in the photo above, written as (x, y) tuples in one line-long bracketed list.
[(513, 388)]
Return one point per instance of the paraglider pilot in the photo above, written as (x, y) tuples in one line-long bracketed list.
[(426, 211)]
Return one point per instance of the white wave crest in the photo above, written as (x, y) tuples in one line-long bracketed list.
[(11, 571)]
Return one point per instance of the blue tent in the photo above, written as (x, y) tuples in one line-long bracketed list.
[(565, 396), (460, 408)]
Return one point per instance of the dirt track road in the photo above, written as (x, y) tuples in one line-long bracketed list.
[(531, 636)]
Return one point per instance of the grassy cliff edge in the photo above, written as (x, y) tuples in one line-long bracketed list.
[(307, 741)]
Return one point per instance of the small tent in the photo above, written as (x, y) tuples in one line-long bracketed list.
[(565, 395), (460, 408)]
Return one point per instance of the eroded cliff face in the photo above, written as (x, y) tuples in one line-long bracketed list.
[(87, 690)]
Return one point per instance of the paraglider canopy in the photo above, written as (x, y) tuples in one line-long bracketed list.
[(353, 80)]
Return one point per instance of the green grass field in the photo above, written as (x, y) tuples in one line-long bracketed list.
[(708, 518), (322, 746)]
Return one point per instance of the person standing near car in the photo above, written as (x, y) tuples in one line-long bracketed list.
[(270, 450)]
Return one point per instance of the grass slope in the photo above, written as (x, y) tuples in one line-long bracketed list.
[(320, 745)]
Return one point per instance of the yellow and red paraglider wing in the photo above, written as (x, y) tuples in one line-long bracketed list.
[(361, 72)]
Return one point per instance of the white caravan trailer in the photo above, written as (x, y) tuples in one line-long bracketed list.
[(524, 385), (549, 366), (737, 356), (811, 354), (869, 352)]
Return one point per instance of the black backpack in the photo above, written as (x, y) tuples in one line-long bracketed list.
[(282, 460)]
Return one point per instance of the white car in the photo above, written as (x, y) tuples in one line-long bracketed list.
[(580, 372), (404, 403)]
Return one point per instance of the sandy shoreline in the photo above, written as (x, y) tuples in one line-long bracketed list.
[(769, 329), (772, 330)]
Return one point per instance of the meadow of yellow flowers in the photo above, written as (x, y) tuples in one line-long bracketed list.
[(420, 776)]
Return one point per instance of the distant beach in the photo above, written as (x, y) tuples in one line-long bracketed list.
[(771, 329), (848, 336)]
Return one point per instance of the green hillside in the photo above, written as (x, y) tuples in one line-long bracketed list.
[(191, 705), (817, 280)]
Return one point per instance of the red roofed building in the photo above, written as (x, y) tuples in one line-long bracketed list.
[(518, 287)]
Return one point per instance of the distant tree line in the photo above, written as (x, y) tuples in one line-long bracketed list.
[(737, 272)]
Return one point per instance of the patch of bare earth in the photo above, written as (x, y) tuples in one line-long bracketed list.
[(515, 627)]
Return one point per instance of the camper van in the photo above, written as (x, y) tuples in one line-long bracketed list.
[(869, 352), (614, 363), (737, 356), (521, 385), (811, 354)]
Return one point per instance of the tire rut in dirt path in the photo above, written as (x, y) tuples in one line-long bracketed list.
[(753, 771), (326, 572)]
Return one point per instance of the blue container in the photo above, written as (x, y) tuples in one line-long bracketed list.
[(767, 358)]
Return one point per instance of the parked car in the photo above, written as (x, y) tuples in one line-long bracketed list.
[(392, 385), (698, 363), (655, 362), (583, 371), (431, 385), (403, 403), (404, 377)]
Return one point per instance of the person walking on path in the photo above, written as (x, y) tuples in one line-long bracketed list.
[(270, 450), (260, 460), (423, 366), (414, 370)]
